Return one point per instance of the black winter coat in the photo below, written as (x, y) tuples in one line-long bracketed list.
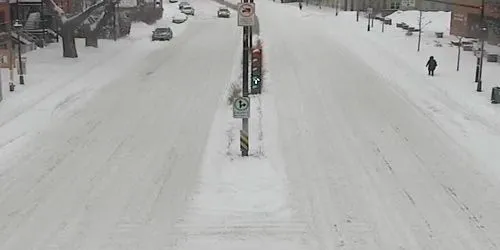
[(431, 64)]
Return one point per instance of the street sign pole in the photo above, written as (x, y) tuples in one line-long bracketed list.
[(246, 18), (244, 145)]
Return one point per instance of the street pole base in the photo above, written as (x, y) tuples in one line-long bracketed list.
[(21, 79), (479, 86)]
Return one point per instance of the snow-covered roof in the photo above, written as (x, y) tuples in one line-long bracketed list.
[(128, 3), (25, 1)]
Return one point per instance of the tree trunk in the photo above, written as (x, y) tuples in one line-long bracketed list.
[(68, 39), (91, 39)]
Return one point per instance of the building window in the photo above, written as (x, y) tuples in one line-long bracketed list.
[(395, 5)]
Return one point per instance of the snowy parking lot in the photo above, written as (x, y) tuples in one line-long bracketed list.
[(352, 145)]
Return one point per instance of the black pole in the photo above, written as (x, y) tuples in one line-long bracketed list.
[(458, 57), (42, 20), (482, 35), (369, 16), (345, 5), (21, 75), (357, 15), (114, 20), (419, 30)]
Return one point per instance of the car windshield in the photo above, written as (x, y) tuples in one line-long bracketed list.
[(187, 7), (162, 30)]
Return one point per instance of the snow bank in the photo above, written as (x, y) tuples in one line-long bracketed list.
[(434, 21)]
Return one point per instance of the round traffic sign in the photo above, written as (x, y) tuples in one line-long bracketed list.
[(241, 104), (246, 10)]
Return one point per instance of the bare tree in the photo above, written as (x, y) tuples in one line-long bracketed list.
[(68, 25), (92, 29)]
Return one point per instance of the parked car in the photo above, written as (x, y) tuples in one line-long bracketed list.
[(223, 12), (182, 4), (188, 10), (179, 18), (162, 34)]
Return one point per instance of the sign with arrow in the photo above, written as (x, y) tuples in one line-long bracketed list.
[(241, 108)]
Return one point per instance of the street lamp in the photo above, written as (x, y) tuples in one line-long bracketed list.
[(18, 26)]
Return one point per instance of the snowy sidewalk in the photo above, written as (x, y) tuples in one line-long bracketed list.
[(449, 99)]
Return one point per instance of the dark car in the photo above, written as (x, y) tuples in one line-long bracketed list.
[(162, 34), (223, 12)]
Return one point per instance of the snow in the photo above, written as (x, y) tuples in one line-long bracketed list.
[(128, 3), (432, 21), (378, 154), (31, 108), (352, 145), (108, 167)]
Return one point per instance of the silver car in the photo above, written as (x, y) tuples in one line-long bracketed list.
[(162, 34), (188, 10)]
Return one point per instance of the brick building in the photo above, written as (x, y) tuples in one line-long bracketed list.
[(465, 21)]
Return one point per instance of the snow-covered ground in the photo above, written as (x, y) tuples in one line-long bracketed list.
[(55, 84), (353, 146), (110, 154)]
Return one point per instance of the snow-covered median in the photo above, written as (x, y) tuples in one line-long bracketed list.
[(242, 203)]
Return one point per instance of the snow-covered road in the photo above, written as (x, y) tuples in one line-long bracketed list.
[(368, 168), (114, 173)]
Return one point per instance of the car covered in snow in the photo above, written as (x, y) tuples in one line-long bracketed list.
[(188, 10), (223, 12), (179, 18), (182, 4), (162, 34)]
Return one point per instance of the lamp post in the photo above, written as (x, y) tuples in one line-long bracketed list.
[(18, 26)]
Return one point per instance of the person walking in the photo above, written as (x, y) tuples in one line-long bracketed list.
[(431, 65)]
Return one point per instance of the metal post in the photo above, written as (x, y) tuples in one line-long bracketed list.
[(419, 30), (114, 20), (372, 18), (357, 15), (479, 73), (11, 58), (245, 125), (336, 7), (19, 57), (459, 50), (369, 16), (345, 5), (383, 24)]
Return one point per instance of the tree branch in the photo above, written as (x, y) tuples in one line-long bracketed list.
[(58, 11), (80, 18)]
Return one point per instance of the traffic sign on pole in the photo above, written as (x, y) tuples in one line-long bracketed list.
[(241, 108), (246, 14)]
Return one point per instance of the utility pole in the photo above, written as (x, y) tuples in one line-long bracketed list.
[(419, 29), (459, 49), (244, 132), (10, 45), (336, 7), (482, 36), (115, 33)]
